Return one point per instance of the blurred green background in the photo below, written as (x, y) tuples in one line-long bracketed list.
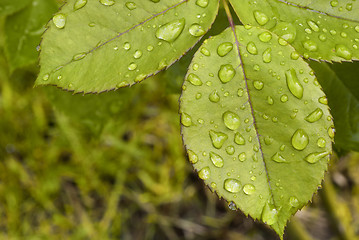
[(112, 166)]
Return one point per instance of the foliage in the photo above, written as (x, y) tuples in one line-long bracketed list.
[(243, 86)]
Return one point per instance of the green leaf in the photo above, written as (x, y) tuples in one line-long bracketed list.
[(343, 101), (254, 124), (94, 46), (8, 7), (321, 30), (23, 31)]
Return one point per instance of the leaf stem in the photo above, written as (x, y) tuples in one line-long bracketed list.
[(228, 12)]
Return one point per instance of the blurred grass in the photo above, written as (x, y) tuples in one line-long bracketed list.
[(112, 166)]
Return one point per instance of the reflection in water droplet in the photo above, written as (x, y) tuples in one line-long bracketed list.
[(269, 214), (137, 54), (196, 30), (132, 66), (205, 51), (171, 31), (224, 48), (186, 120), (315, 157), (218, 138), (242, 156), (59, 20), (214, 97), (226, 73), (270, 100), (232, 206), (286, 31), (265, 37), (284, 98), (294, 55), (331, 132), (127, 46), (216, 159), (252, 48), (232, 185), (260, 18), (193, 158), (230, 150), (343, 51), (79, 4), (194, 79), (321, 142), (204, 173), (258, 85), (249, 189), (293, 83), (300, 139), (239, 139), (267, 56), (278, 158), (231, 120), (310, 45), (313, 26), (315, 115)]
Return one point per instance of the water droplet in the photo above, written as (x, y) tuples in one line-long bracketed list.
[(310, 45), (214, 97), (131, 5), (270, 100), (242, 157), (265, 37), (278, 158), (315, 157), (349, 6), (240, 92), (321, 142), (127, 46), (267, 56), (149, 48), (232, 185), (46, 77), (107, 2), (218, 138), (239, 139), (300, 139), (196, 30), (132, 66), (137, 54), (204, 173), (256, 67), (260, 18), (284, 98), (293, 201), (230, 150), (249, 189), (268, 140), (226, 73), (122, 84), (294, 55), (251, 48), (357, 28), (216, 159), (293, 83), (140, 77), (322, 37), (205, 51), (79, 4), (224, 48), (186, 120), (171, 31), (213, 185), (59, 20), (315, 115), (331, 132), (313, 26), (194, 79), (195, 67), (269, 214), (231, 120), (334, 3), (258, 85), (193, 158), (232, 206), (202, 3), (343, 51), (286, 31)]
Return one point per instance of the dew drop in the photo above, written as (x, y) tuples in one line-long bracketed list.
[(224, 48), (193, 158), (242, 156), (251, 48), (321, 142), (268, 140), (59, 20), (269, 214), (286, 31), (140, 77), (232, 185), (149, 48), (293, 201), (107, 2), (293, 83), (270, 100), (127, 46), (231, 120), (265, 37), (196, 30), (226, 73), (258, 85), (218, 138), (122, 84), (315, 157), (294, 55), (79, 4), (343, 51), (230, 150), (315, 115), (194, 79), (204, 173), (278, 158), (267, 56), (310, 45), (171, 31), (186, 120), (284, 98), (137, 54), (132, 66), (214, 97), (300, 139), (240, 92), (216, 159), (202, 3), (260, 18), (313, 26), (249, 189), (331, 132), (131, 5), (46, 77), (205, 51), (239, 139), (322, 37), (357, 28), (232, 206)]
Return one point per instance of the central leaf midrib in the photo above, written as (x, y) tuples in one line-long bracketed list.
[(122, 33)]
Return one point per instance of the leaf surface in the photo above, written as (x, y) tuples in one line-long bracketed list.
[(342, 92), (94, 46), (255, 124), (321, 30), (23, 30)]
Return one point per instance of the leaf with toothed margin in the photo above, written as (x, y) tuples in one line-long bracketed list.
[(23, 30), (341, 87), (320, 30), (255, 124), (95, 46)]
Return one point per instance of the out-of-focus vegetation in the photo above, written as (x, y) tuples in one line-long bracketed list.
[(112, 166)]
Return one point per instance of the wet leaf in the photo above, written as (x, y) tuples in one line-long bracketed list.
[(94, 46), (256, 129), (322, 30)]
